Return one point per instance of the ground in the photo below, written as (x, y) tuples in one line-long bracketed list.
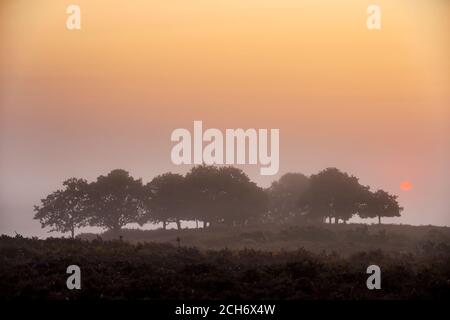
[(297, 262)]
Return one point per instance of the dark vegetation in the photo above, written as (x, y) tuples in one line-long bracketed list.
[(211, 196), (247, 243), (35, 269), (344, 239)]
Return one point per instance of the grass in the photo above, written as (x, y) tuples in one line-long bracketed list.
[(345, 239), (257, 263)]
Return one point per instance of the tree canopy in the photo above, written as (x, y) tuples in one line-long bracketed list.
[(223, 195), (284, 196), (380, 204), (332, 194), (215, 195), (116, 200), (166, 199), (67, 209)]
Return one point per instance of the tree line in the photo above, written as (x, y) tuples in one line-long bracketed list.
[(210, 195)]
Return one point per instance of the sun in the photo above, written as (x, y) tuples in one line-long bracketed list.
[(406, 185)]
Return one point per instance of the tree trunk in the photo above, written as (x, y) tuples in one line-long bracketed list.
[(329, 219), (204, 224), (379, 219), (336, 220), (72, 232), (196, 223), (178, 224), (164, 224)]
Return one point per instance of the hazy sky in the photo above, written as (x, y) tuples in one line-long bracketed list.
[(80, 103)]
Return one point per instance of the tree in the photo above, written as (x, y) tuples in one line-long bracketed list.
[(240, 200), (223, 195), (116, 200), (284, 195), (380, 204), (202, 190), (167, 202), (333, 194), (65, 210)]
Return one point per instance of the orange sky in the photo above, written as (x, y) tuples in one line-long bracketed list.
[(373, 103)]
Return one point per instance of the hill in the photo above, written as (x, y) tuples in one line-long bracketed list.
[(118, 270), (344, 239)]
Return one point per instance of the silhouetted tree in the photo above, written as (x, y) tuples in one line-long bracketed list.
[(284, 196), (380, 204), (202, 191), (65, 210), (223, 195), (167, 202), (210, 194), (333, 193), (116, 200), (240, 201)]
